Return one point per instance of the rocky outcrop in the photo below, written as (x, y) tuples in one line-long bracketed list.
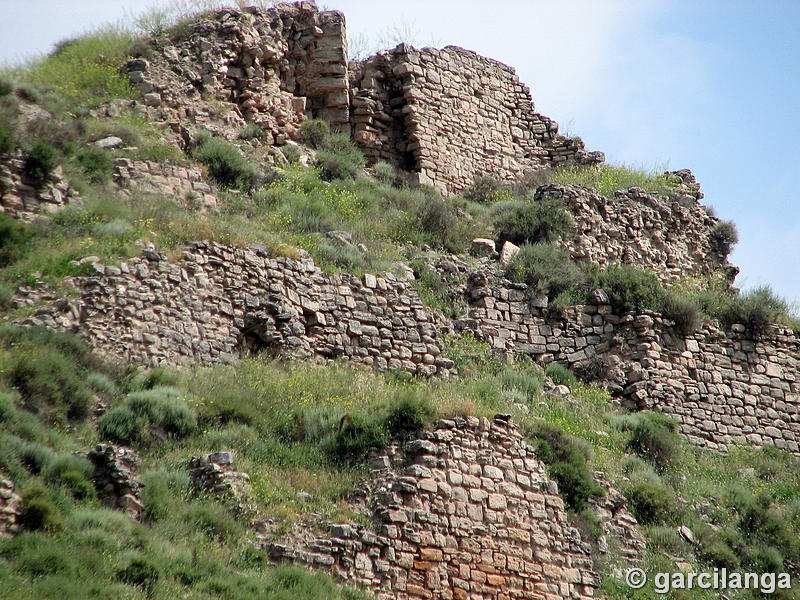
[(214, 473), (115, 477), (464, 511), (9, 508), (221, 300), (449, 115), (182, 183)]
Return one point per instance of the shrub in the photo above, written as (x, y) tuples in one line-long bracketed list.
[(213, 520), (5, 88), (77, 483), (225, 163), (49, 379), (560, 374), (341, 159), (385, 173), (8, 410), (96, 163), (682, 311), (607, 179), (630, 287), (155, 377), (15, 238), (723, 237), (654, 437), (525, 221), (650, 500), (252, 131), (546, 268), (719, 554), (146, 414), (315, 133), (37, 511), (409, 412), (356, 436), (7, 138), (140, 571), (485, 190), (41, 161), (755, 309), (566, 458)]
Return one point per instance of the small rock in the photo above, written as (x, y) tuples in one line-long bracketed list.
[(482, 247), (508, 252), (305, 497), (345, 237), (106, 143), (687, 535)]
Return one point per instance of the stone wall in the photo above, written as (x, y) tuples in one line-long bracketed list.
[(671, 238), (723, 387), (220, 300), (181, 182), (27, 199), (9, 508), (451, 114), (465, 511), (115, 477), (275, 67)]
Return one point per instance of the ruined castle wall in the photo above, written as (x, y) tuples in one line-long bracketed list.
[(276, 67), (670, 238), (465, 511), (462, 115), (180, 182), (723, 387), (24, 198), (219, 300)]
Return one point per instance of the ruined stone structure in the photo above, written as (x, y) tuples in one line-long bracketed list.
[(465, 511), (214, 473), (220, 299), (671, 238), (449, 115), (723, 387), (9, 508), (27, 199), (115, 477), (182, 183), (276, 67)]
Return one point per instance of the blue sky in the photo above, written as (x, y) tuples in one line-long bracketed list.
[(712, 86)]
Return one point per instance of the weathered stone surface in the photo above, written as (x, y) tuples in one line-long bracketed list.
[(115, 477), (458, 540), (214, 473), (27, 199), (9, 508)]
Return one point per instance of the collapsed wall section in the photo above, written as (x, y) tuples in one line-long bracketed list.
[(221, 300), (465, 511), (457, 114), (671, 238), (723, 387)]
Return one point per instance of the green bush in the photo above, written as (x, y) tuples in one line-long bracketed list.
[(723, 237), (719, 554), (8, 409), (682, 311), (341, 159), (560, 374), (566, 458), (315, 133), (607, 179), (485, 190), (15, 239), (140, 571), (213, 520), (252, 131), (8, 139), (41, 161), (529, 222), (355, 437), (755, 309), (225, 163), (5, 88), (409, 412), (545, 268), (385, 173), (654, 437), (49, 381), (650, 500), (630, 287), (96, 163), (147, 414), (37, 511), (77, 483)]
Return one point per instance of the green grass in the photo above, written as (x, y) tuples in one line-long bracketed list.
[(607, 179)]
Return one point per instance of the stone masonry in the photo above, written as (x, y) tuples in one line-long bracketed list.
[(723, 387), (220, 300), (115, 477), (183, 182), (9, 508), (26, 199), (671, 238), (464, 512), (449, 115)]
